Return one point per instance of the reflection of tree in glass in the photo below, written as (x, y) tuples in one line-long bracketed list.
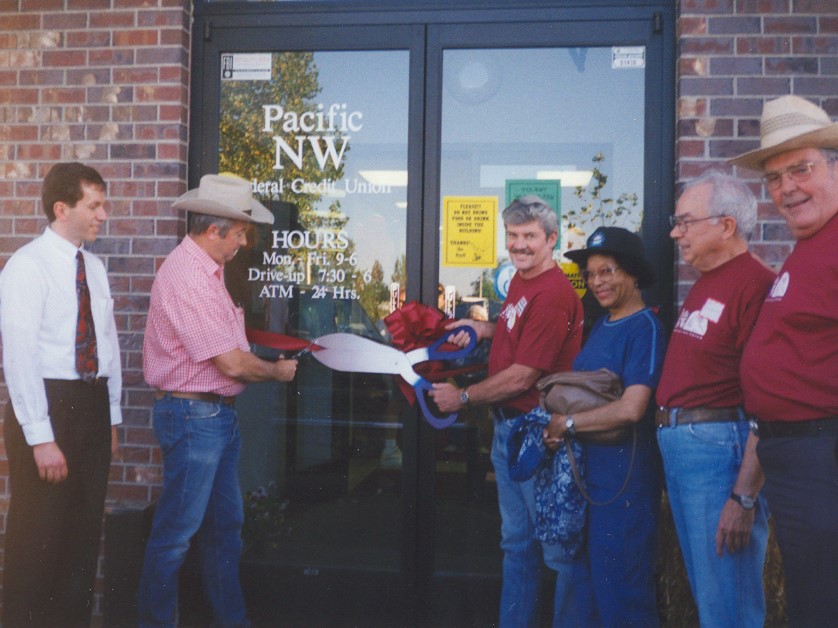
[(399, 275), (246, 149), (373, 294), (598, 211), (484, 286)]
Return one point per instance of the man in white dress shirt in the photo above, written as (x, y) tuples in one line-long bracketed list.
[(62, 368)]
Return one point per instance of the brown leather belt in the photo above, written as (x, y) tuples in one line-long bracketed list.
[(197, 396), (670, 417)]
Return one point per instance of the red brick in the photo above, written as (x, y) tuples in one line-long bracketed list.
[(62, 20), (815, 6), (161, 18), (19, 22), (690, 26), (136, 75), (763, 45), (707, 45), (783, 25), (115, 57), (706, 6), (88, 39), (815, 45), (763, 7), (690, 148), (82, 5), (39, 152), (63, 96), (791, 65), (64, 58), (138, 37), (112, 19)]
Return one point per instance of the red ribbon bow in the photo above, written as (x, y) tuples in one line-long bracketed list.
[(413, 326)]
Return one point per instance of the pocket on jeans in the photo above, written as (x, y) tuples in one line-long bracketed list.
[(718, 434), (202, 410)]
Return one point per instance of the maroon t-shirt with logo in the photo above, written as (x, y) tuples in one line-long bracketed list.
[(540, 326), (702, 362), (790, 365)]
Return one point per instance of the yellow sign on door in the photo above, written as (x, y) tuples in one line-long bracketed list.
[(469, 231)]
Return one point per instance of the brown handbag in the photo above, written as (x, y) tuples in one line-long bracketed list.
[(571, 392), (577, 391)]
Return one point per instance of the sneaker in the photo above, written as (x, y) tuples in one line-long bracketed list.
[(391, 457)]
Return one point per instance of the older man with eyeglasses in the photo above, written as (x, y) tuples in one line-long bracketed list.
[(713, 478), (789, 367)]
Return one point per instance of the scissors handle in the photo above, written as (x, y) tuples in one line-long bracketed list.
[(435, 354), (422, 387)]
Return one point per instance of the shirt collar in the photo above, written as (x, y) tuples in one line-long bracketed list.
[(63, 246), (203, 258)]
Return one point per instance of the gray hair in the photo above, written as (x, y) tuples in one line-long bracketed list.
[(528, 208), (729, 197), (200, 223)]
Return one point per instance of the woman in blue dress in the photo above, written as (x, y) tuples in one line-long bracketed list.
[(614, 576)]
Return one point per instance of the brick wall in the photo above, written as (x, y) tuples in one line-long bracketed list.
[(104, 82), (732, 56)]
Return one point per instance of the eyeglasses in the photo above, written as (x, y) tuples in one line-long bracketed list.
[(797, 173), (684, 224), (606, 273)]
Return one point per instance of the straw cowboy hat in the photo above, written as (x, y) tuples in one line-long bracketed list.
[(789, 123), (226, 196)]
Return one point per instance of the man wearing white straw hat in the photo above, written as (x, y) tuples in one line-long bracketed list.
[(790, 363), (197, 357)]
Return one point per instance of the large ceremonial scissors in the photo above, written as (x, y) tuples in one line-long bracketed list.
[(356, 354)]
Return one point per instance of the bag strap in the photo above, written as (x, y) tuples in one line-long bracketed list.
[(577, 477)]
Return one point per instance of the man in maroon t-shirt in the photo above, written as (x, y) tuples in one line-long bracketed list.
[(789, 367), (713, 478), (539, 331)]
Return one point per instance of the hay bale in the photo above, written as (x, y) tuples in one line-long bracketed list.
[(675, 601)]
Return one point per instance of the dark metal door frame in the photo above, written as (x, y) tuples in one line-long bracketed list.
[(426, 29)]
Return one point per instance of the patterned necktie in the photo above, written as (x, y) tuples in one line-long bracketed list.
[(87, 362)]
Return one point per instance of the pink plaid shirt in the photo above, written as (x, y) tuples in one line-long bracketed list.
[(191, 319)]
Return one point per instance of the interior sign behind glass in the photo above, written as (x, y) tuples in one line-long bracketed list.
[(628, 57)]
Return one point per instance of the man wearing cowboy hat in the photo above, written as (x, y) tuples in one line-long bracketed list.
[(790, 362), (197, 356)]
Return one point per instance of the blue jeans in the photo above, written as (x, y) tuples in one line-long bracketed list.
[(701, 464), (522, 552), (801, 483), (201, 497), (614, 576)]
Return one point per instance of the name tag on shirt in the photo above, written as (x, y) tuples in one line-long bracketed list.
[(712, 310)]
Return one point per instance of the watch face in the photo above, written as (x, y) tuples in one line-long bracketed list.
[(464, 397), (743, 500)]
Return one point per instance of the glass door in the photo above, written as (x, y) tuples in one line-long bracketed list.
[(319, 122), (563, 111)]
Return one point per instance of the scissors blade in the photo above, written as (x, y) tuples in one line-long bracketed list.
[(356, 354)]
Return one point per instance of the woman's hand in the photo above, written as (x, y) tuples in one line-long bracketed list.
[(553, 434)]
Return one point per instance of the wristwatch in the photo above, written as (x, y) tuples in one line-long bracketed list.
[(570, 426), (746, 502), (464, 397)]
